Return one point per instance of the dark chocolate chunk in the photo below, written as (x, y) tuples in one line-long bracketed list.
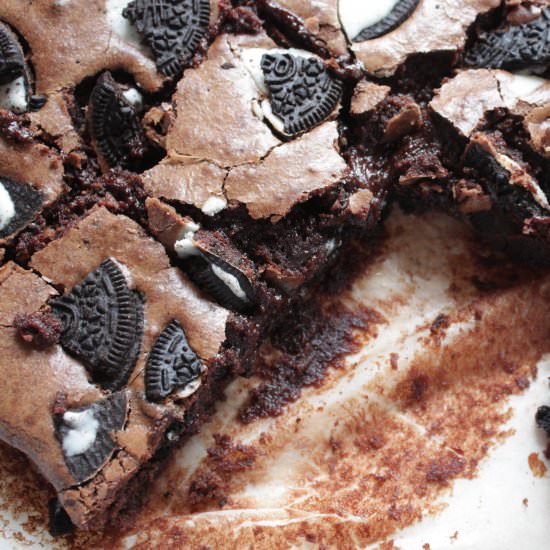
[(302, 93), (114, 124), (172, 364), (543, 419), (103, 324), (226, 283), (12, 58), (60, 523), (26, 201), (86, 434), (172, 29), (397, 16), (514, 47)]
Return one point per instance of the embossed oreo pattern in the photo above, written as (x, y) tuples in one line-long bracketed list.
[(514, 47), (110, 413), (103, 325), (302, 93), (172, 29), (114, 124), (172, 364), (397, 16)]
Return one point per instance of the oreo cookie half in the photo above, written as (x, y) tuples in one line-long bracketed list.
[(114, 123), (12, 58), (19, 203), (515, 47), (15, 79), (302, 93), (172, 29), (86, 434), (400, 12), (103, 325), (172, 365)]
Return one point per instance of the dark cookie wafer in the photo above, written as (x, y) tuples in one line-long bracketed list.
[(302, 93), (513, 47), (19, 203), (114, 124), (86, 434), (171, 365), (172, 29), (397, 16), (103, 324), (12, 58)]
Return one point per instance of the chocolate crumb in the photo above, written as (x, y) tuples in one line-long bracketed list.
[(40, 329)]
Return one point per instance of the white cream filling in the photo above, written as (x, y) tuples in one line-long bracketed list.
[(188, 390), (523, 84), (184, 246), (122, 26), (13, 96), (356, 16), (213, 205), (82, 434), (521, 178), (230, 281), (61, 3), (7, 208), (134, 98), (252, 58), (125, 270)]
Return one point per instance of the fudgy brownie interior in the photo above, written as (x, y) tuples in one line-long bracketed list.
[(175, 177)]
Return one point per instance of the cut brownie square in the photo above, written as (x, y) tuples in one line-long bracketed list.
[(138, 344)]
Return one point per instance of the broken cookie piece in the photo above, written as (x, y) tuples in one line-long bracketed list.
[(385, 35), (172, 366), (114, 123), (103, 324), (513, 46), (173, 30), (88, 434)]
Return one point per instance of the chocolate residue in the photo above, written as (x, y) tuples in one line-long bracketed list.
[(210, 483), (309, 340), (537, 465)]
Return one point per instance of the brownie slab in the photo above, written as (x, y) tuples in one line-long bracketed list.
[(175, 177)]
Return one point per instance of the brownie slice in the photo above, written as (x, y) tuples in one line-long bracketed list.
[(137, 345)]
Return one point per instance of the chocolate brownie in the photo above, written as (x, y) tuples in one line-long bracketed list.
[(177, 176)]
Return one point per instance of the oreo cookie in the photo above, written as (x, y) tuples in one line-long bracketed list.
[(226, 283), (395, 18), (514, 47), (173, 29), (302, 93), (172, 365), (12, 58), (15, 76), (103, 325), (114, 124), (86, 434), (19, 204)]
